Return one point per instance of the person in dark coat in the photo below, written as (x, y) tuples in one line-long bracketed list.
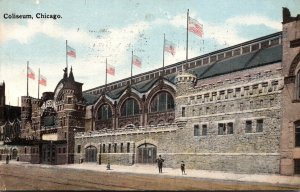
[(7, 159), (160, 161), (182, 166)]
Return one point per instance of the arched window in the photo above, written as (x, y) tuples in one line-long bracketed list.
[(298, 85), (130, 107), (104, 112), (162, 101)]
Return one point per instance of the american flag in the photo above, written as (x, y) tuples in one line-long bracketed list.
[(71, 52), (30, 73), (170, 47), (110, 70), (43, 80), (137, 61), (195, 27)]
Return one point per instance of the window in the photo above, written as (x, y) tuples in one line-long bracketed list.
[(128, 147), (25, 150), (297, 133), (104, 112), (78, 148), (297, 166), (248, 127), (221, 129), (229, 128), (259, 125), (109, 148), (115, 148), (298, 85), (65, 135), (130, 107), (183, 112), (162, 101), (121, 148), (196, 130), (204, 130), (103, 148), (64, 150)]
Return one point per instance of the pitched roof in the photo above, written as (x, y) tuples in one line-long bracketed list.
[(254, 59), (242, 62)]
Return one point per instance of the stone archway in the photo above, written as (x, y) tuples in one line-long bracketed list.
[(91, 154), (14, 154), (146, 153)]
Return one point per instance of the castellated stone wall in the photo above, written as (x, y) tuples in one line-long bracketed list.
[(235, 99)]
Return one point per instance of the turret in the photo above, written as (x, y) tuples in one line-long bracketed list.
[(184, 82)]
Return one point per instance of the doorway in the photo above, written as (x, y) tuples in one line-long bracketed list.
[(147, 153), (91, 154)]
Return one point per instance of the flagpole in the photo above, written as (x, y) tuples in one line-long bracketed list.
[(187, 38), (131, 67), (67, 55), (105, 73), (39, 85), (27, 76), (163, 72)]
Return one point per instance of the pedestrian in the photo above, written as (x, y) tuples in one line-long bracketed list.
[(182, 166), (7, 159), (160, 161), (108, 166)]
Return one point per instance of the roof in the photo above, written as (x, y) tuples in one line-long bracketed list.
[(247, 61), (238, 63), (89, 98)]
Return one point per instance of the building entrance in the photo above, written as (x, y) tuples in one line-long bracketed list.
[(49, 154), (91, 154), (147, 153), (14, 154)]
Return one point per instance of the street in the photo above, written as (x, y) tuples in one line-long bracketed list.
[(20, 177)]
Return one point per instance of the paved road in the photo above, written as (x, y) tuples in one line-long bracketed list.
[(23, 177)]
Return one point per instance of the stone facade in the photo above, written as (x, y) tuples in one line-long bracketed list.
[(233, 111), (290, 151), (236, 109)]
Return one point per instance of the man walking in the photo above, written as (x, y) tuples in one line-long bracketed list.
[(160, 161)]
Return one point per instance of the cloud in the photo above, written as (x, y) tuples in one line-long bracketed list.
[(24, 33), (254, 20)]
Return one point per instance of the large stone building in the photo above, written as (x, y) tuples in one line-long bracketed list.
[(236, 109), (9, 126)]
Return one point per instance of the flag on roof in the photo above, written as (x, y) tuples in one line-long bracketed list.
[(195, 27), (43, 80), (30, 73), (137, 61), (170, 47), (110, 70), (71, 52)]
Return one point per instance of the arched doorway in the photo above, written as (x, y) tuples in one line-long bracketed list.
[(14, 154), (146, 153), (91, 154)]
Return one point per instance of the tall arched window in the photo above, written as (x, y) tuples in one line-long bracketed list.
[(130, 107), (298, 85), (162, 101), (104, 112)]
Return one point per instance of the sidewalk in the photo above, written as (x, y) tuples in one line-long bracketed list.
[(202, 174)]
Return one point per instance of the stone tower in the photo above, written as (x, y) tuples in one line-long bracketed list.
[(289, 149), (185, 82), (26, 110), (2, 101)]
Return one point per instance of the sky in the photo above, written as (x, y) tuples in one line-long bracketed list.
[(100, 29)]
